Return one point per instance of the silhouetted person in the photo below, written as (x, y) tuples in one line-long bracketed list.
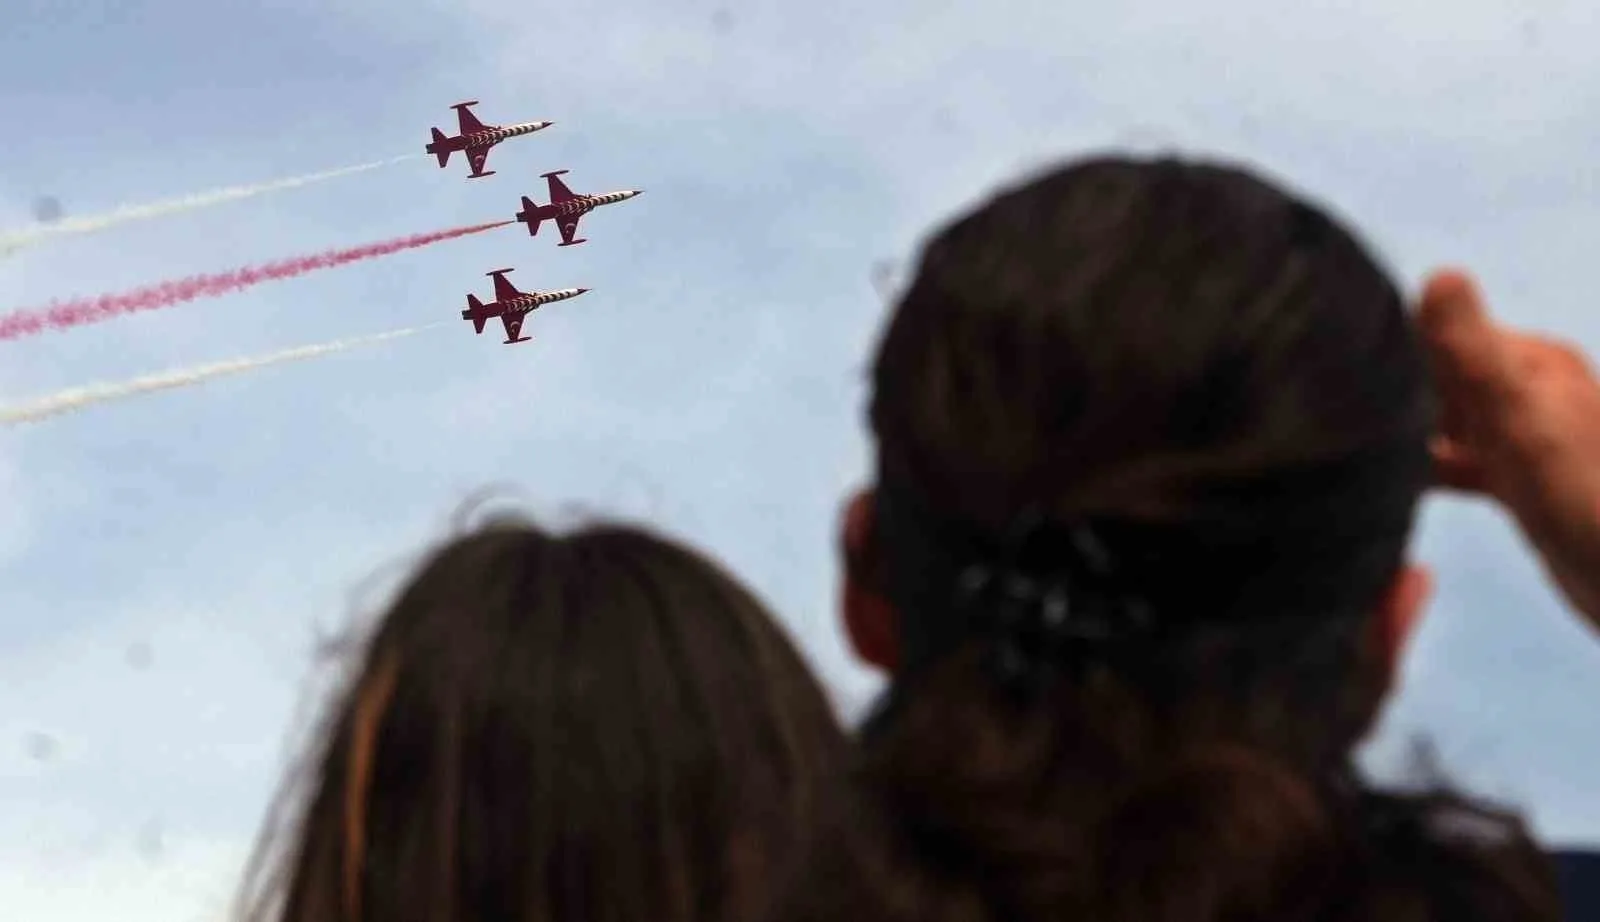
[(600, 726), (1150, 439)]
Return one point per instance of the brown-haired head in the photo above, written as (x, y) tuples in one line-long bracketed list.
[(1217, 383), (600, 726)]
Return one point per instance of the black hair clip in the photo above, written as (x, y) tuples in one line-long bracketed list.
[(1049, 601)]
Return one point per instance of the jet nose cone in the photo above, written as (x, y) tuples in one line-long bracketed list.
[(582, 290)]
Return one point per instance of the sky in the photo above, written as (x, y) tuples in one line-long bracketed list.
[(168, 564)]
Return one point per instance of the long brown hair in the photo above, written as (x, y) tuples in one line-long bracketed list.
[(601, 726), (1222, 382)]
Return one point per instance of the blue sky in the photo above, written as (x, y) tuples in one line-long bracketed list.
[(166, 563)]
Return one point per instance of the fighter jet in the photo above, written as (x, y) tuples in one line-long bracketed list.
[(512, 306), (566, 208), (476, 138)]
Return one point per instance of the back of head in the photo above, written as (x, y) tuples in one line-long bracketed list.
[(601, 726), (1151, 436)]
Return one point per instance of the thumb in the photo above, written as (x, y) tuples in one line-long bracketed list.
[(1467, 350)]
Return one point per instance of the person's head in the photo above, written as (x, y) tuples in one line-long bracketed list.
[(1211, 368), (1210, 401), (598, 726)]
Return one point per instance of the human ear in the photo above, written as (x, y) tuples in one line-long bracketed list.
[(869, 619), (1399, 612)]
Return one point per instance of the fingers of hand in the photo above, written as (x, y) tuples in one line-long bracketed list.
[(1471, 359), (1542, 356)]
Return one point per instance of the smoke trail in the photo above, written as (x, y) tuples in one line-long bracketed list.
[(79, 311), (25, 236), (78, 398)]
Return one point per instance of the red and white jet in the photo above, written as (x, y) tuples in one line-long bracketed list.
[(476, 138), (512, 306), (566, 208)]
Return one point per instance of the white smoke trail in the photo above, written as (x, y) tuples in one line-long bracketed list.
[(26, 236), (78, 398)]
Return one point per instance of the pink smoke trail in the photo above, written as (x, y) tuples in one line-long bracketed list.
[(61, 315)]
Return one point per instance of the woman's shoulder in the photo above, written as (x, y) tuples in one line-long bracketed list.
[(1578, 875)]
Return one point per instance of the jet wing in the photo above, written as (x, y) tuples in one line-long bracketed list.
[(469, 122), (559, 191), (513, 324), (504, 290), (477, 157), (568, 225)]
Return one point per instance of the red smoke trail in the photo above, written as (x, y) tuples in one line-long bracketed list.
[(79, 311)]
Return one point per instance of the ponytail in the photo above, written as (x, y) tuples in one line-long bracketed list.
[(1224, 833), (1088, 806)]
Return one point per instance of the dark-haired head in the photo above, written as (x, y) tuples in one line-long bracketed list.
[(1151, 436), (601, 726)]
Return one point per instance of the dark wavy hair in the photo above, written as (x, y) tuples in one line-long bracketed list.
[(598, 726), (1221, 376)]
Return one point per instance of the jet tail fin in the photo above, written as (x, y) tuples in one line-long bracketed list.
[(530, 215), (439, 150), (475, 313)]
